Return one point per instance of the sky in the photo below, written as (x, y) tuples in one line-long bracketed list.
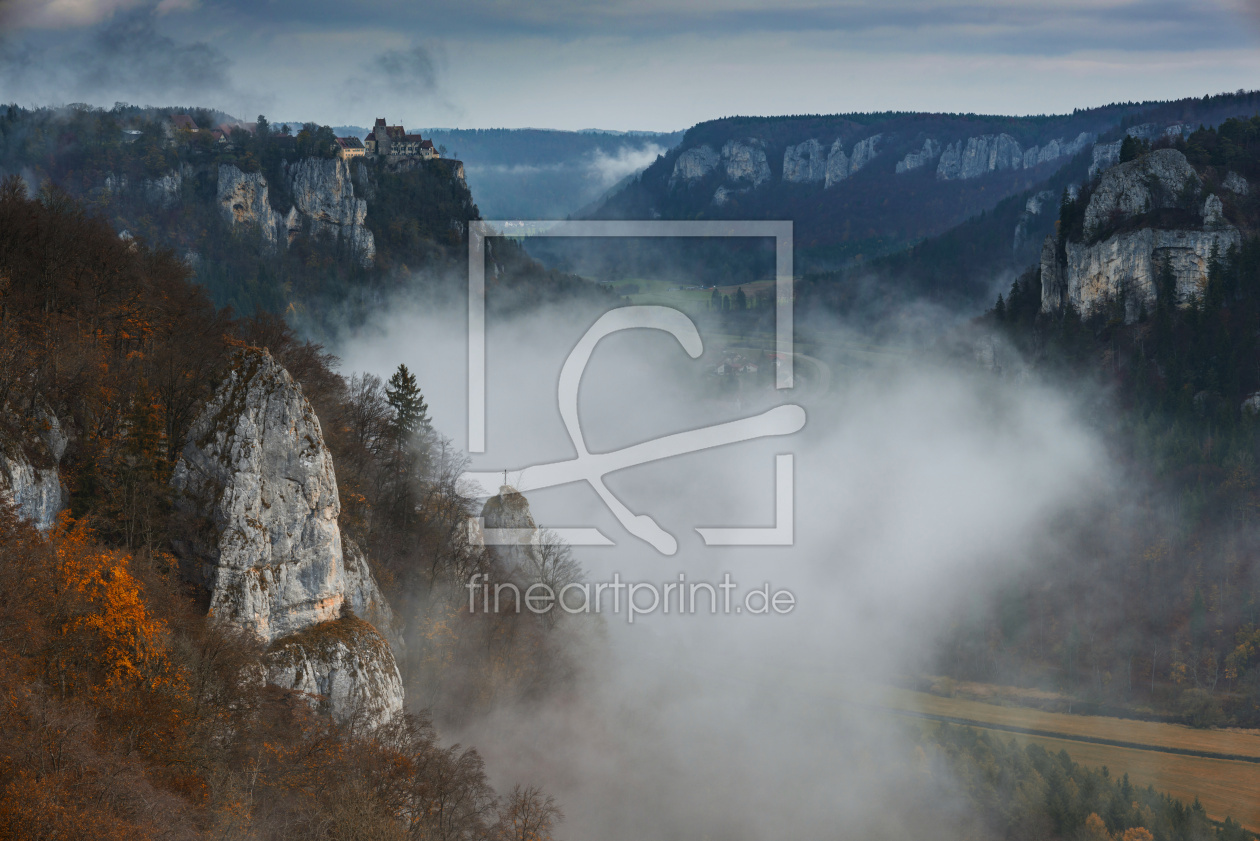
[(646, 65)]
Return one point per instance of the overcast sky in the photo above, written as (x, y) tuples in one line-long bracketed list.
[(648, 64)]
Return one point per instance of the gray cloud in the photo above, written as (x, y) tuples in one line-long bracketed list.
[(126, 58), (407, 70), (129, 54)]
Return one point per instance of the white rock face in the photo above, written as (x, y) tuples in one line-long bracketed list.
[(323, 194), (746, 161), (695, 164), (1128, 265), (36, 492), (364, 596), (1106, 155), (837, 165), (1213, 213), (840, 166), (243, 201), (257, 465), (257, 468), (917, 160), (999, 152), (1055, 149), (324, 203), (979, 156), (510, 512), (1152, 181), (805, 163), (164, 191), (1236, 184), (863, 152), (1032, 208), (344, 667)]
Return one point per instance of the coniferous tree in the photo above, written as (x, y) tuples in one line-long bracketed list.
[(411, 413)]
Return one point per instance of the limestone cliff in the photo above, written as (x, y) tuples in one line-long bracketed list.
[(1033, 208), (1158, 180), (323, 197), (840, 166), (344, 667), (29, 478), (324, 203), (243, 201), (1127, 266), (746, 161), (516, 544), (977, 156), (917, 160), (804, 162), (257, 470), (694, 164)]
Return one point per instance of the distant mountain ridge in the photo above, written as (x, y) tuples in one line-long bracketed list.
[(870, 184)]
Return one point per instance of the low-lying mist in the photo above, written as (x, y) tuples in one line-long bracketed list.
[(921, 484)]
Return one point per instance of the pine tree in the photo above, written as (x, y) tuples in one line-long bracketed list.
[(411, 413)]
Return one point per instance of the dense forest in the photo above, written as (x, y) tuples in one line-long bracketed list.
[(127, 713), (1155, 608), (1028, 792)]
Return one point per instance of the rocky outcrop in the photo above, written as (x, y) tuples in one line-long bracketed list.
[(516, 544), (1160, 179), (323, 204), (695, 164), (805, 163), (1055, 149), (746, 161), (364, 596), (1107, 155), (1032, 209), (162, 192), (323, 197), (979, 156), (863, 152), (344, 667), (1214, 214), (1236, 184), (30, 481), (1126, 267), (837, 168), (1053, 283), (722, 195), (917, 160), (840, 166), (256, 470), (987, 153), (243, 201)]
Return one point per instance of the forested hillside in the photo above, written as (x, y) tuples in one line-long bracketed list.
[(128, 712), (268, 220), (889, 206), (1155, 609)]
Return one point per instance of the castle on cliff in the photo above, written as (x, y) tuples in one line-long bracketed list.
[(393, 141)]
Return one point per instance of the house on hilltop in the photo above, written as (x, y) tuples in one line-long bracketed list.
[(349, 147), (393, 141)]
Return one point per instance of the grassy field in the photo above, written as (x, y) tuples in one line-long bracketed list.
[(1224, 787)]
